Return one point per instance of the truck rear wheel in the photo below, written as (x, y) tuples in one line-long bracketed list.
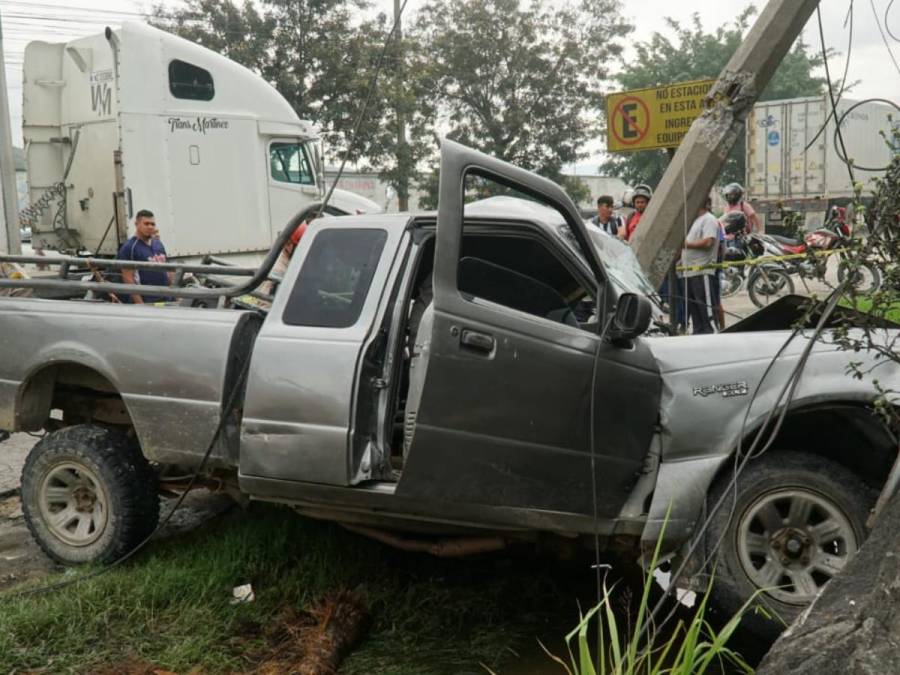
[(88, 494), (796, 521)]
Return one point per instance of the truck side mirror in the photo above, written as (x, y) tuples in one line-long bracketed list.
[(632, 317)]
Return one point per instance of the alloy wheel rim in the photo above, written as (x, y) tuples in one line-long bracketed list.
[(74, 505), (792, 541)]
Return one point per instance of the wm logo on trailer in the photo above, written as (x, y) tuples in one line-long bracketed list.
[(101, 99)]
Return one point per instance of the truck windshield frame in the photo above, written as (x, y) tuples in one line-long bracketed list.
[(187, 81)]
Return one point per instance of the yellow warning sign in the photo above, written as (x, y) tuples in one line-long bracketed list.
[(656, 117)]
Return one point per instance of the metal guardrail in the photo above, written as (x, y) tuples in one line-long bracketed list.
[(67, 263)]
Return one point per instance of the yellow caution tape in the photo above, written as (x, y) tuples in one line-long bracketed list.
[(762, 260)]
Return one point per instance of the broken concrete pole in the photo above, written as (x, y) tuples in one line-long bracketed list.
[(854, 624), (698, 161)]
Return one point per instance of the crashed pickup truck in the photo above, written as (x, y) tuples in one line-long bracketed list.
[(434, 381)]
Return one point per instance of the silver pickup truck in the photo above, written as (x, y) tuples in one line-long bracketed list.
[(436, 378)]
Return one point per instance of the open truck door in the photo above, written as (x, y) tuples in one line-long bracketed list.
[(503, 387)]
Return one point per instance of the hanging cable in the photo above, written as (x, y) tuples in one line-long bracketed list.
[(362, 113), (225, 415), (883, 36), (887, 26), (229, 403), (838, 148), (777, 411), (830, 115)]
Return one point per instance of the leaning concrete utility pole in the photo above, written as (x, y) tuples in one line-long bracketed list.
[(10, 241), (701, 155)]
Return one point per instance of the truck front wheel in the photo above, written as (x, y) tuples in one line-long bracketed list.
[(795, 522), (88, 494)]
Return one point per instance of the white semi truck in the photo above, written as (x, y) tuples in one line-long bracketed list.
[(137, 118), (794, 158)]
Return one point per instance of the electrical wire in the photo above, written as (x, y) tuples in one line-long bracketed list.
[(232, 397), (64, 8), (354, 136), (883, 36), (220, 428), (831, 113), (781, 406), (887, 26), (837, 129), (841, 153)]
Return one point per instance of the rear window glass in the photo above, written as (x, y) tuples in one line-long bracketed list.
[(189, 81), (333, 283)]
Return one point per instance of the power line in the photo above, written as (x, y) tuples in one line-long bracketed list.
[(883, 36), (831, 113), (887, 26), (65, 8), (14, 16)]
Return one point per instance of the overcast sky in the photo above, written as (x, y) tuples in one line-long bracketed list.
[(60, 20)]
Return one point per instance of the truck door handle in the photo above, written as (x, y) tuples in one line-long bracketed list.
[(481, 342)]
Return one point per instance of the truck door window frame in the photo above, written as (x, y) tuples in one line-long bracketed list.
[(190, 82), (523, 231), (334, 252), (305, 174)]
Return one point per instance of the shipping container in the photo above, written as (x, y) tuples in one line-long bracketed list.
[(794, 154)]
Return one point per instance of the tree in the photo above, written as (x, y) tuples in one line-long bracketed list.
[(519, 81), (693, 54), (323, 60)]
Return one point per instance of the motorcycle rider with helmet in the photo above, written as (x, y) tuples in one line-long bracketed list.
[(734, 196), (639, 200)]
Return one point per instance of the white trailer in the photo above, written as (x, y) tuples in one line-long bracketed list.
[(794, 158), (138, 118)]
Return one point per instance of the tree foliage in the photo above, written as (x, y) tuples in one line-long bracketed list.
[(519, 80), (688, 52)]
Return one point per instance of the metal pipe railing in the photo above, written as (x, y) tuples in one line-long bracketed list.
[(258, 275)]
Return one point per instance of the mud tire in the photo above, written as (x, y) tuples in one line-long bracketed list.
[(783, 473), (118, 478)]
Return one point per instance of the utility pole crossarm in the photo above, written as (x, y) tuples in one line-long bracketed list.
[(701, 155)]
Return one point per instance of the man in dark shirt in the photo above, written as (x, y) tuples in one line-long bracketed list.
[(606, 219), (144, 246)]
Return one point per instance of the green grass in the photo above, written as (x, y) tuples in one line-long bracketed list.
[(889, 308), (693, 647), (170, 607)]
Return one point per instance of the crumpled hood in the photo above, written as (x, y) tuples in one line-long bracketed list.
[(709, 382), (693, 352)]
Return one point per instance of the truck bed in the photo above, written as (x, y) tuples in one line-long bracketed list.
[(168, 366)]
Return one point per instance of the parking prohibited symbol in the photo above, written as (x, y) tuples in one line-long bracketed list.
[(630, 120)]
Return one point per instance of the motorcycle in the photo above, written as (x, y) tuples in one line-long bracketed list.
[(765, 282), (834, 235)]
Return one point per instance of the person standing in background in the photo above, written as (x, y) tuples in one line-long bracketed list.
[(606, 220), (734, 197), (640, 200), (701, 250), (145, 246)]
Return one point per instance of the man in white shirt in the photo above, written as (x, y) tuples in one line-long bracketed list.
[(700, 250)]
